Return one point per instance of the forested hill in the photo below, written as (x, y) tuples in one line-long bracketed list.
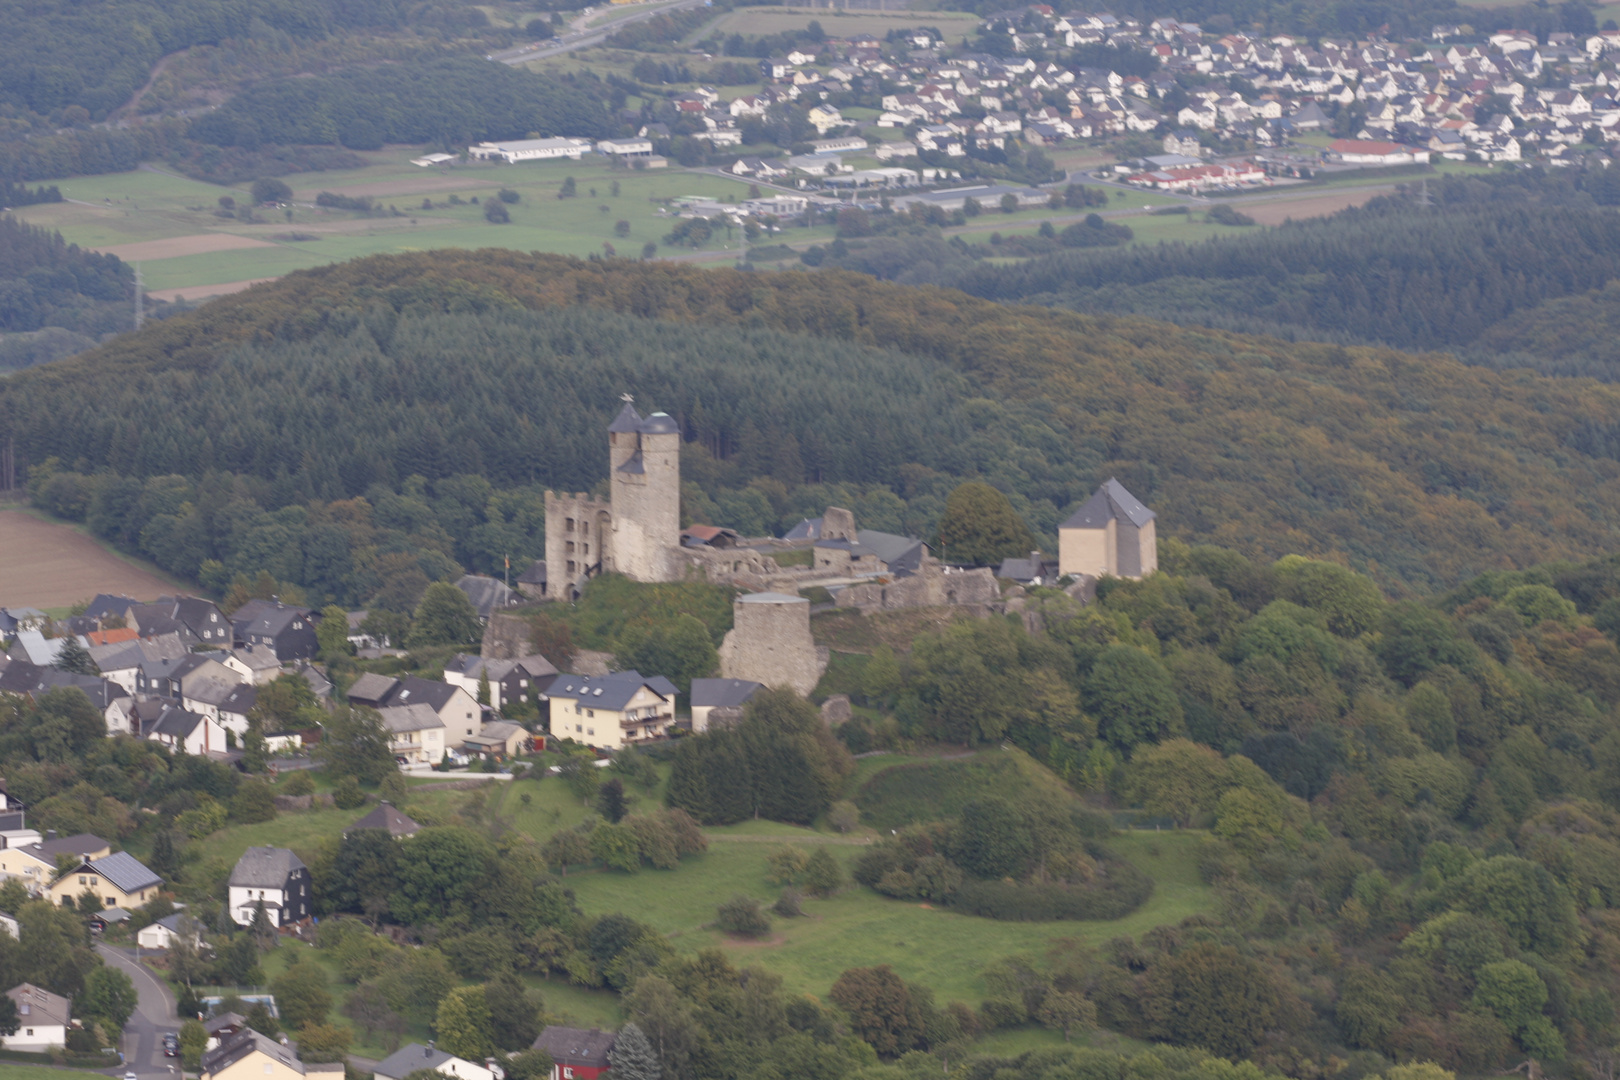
[(1395, 272), (794, 389)]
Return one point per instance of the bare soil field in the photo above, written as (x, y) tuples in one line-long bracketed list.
[(176, 246), (45, 565), (204, 292), (1275, 213)]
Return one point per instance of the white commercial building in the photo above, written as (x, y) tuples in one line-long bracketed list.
[(530, 149)]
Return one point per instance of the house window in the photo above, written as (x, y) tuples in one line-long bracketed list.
[(590, 712), (570, 524), (30, 1031), (590, 731)]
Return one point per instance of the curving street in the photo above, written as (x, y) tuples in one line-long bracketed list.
[(154, 1015)]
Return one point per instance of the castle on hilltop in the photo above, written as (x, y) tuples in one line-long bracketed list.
[(636, 531)]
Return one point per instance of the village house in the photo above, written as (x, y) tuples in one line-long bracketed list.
[(612, 711), (42, 1019), (416, 735), (577, 1054), (274, 877), (456, 709), (117, 880), (288, 631), (509, 680), (248, 1055), (415, 1057), (257, 664), (181, 730)]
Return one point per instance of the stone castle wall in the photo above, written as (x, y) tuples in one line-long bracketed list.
[(579, 536)]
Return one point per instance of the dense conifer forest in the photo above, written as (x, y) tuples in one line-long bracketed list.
[(445, 378), (56, 298)]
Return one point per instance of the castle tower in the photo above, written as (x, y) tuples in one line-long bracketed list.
[(770, 642), (644, 459), (1113, 534)]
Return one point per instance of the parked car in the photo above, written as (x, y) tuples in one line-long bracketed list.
[(171, 1045)]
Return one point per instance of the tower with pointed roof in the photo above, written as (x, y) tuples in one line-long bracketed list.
[(637, 530), (644, 461), (1112, 535)]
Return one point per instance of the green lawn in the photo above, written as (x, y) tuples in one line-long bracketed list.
[(10, 1070)]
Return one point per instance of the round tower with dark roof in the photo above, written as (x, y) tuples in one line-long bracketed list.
[(645, 468)]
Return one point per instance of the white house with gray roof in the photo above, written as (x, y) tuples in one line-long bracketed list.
[(274, 877), (42, 1019), (408, 1059)]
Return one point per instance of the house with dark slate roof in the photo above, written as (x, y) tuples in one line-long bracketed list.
[(509, 680), (577, 1054), (1111, 535), (288, 631), (274, 877)]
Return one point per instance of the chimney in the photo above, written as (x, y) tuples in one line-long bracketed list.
[(50, 834)]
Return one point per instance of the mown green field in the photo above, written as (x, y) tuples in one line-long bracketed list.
[(145, 205)]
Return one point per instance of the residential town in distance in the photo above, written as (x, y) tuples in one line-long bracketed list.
[(1229, 111)]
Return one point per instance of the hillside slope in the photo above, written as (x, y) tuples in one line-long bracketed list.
[(1416, 468)]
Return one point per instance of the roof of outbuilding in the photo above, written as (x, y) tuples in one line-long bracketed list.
[(386, 817), (264, 868), (722, 693)]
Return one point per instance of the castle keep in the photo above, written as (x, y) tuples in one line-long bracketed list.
[(636, 531)]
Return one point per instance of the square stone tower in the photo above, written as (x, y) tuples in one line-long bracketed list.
[(644, 463), (1113, 535)]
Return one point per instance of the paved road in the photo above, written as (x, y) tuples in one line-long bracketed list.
[(154, 1015), (578, 38)]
